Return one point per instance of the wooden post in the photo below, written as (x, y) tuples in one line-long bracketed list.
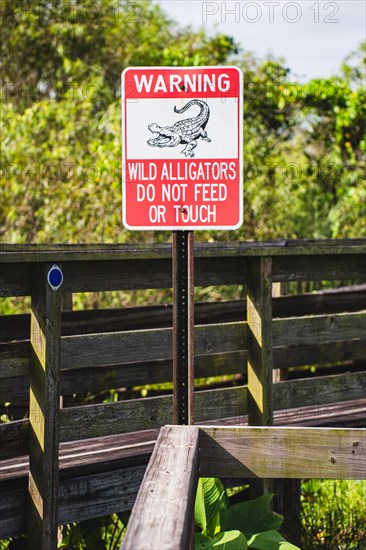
[(287, 491), (42, 519), (260, 356), (260, 353), (287, 503)]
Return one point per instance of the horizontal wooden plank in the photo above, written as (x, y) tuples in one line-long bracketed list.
[(124, 416), (319, 328), (80, 498), (125, 267), (15, 279), (106, 349), (150, 413), (272, 452), (125, 274), (162, 515), (112, 418), (13, 507), (145, 345), (16, 389), (17, 327), (99, 494), (346, 414), (325, 353), (318, 268), (90, 456), (86, 252), (128, 274), (14, 437), (319, 390), (125, 347), (143, 414)]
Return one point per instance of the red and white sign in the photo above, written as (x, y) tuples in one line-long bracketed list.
[(182, 148)]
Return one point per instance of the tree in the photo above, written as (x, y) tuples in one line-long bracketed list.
[(61, 61)]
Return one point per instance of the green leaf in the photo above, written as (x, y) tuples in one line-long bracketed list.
[(210, 499), (252, 516), (202, 542), (270, 540), (230, 540), (281, 102)]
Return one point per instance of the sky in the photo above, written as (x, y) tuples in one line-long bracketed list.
[(312, 36)]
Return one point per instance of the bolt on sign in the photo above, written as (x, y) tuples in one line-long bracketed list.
[(182, 148)]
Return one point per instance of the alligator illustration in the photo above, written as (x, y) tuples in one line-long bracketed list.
[(186, 131)]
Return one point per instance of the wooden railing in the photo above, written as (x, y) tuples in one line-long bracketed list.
[(162, 515), (101, 460)]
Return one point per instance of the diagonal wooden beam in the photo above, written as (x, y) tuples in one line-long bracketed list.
[(162, 516)]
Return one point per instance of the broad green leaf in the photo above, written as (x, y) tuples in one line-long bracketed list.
[(270, 540), (252, 516), (210, 499), (214, 526), (230, 540), (202, 542)]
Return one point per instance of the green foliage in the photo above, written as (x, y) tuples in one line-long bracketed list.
[(103, 533), (253, 516), (304, 144), (249, 524), (231, 540), (270, 540), (333, 515), (211, 499)]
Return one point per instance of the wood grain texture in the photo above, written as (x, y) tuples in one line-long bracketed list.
[(260, 345), (146, 345), (82, 459), (162, 515), (44, 412), (271, 452), (151, 413), (322, 267), (99, 494), (16, 388), (80, 498), (149, 266), (98, 378), (94, 321), (143, 414), (317, 329), (319, 390), (86, 252)]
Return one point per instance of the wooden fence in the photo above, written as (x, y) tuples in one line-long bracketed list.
[(162, 521), (89, 460)]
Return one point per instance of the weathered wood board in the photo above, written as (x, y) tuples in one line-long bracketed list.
[(272, 452), (162, 516)]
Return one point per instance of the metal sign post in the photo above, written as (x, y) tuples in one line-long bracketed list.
[(182, 171), (183, 327)]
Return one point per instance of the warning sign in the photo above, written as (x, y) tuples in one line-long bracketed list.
[(182, 148)]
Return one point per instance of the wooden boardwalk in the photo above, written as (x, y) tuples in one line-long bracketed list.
[(104, 448)]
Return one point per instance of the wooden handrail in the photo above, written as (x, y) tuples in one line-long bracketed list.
[(164, 505), (162, 516)]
